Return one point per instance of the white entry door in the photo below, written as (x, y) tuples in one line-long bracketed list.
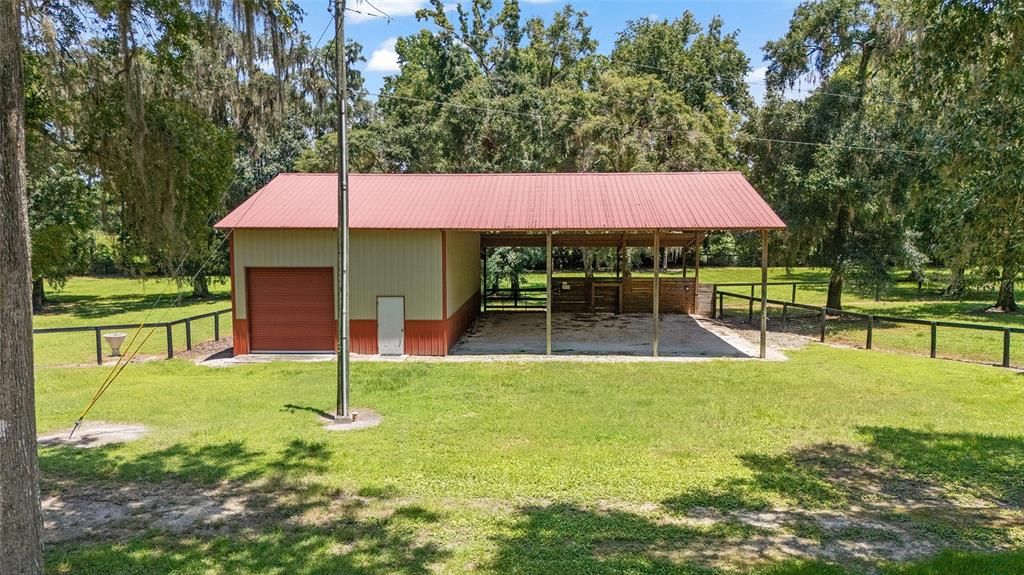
[(391, 325)]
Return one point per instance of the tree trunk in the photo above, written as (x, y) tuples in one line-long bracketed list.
[(38, 295), (835, 280), (21, 524), (1006, 300), (835, 290), (956, 282), (588, 264), (200, 287)]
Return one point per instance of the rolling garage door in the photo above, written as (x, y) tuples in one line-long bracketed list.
[(291, 309)]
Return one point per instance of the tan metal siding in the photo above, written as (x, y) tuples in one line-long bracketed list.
[(463, 268), (397, 263)]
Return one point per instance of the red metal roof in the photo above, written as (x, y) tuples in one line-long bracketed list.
[(522, 202)]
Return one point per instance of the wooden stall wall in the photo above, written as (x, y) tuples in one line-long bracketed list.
[(629, 295)]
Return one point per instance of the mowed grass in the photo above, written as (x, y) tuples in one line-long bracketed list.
[(902, 300), (89, 301), (552, 467)]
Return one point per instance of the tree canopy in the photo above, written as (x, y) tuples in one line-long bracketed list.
[(901, 148)]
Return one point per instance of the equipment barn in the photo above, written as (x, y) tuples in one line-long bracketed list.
[(417, 243)]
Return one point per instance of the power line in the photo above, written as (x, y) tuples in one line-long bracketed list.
[(563, 51), (326, 26), (370, 14), (129, 354), (374, 6), (542, 115)]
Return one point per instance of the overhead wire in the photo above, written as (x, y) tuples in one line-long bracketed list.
[(541, 116), (642, 66)]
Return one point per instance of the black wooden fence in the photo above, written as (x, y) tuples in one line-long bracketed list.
[(822, 315), (167, 326), (522, 298)]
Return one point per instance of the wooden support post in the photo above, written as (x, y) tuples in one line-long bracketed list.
[(188, 334), (696, 262), (216, 327), (794, 293), (871, 329), (935, 338), (170, 341), (824, 318), (486, 287), (99, 347), (750, 306), (550, 271), (714, 301), (721, 306), (657, 291), (785, 316), (1006, 348), (764, 294)]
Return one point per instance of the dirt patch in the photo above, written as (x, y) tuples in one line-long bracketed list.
[(776, 340), (208, 350), (94, 434), (90, 512)]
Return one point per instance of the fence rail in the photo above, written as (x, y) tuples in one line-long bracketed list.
[(515, 298), (793, 285), (168, 326), (872, 321)]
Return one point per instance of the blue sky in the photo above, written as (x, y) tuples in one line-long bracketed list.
[(756, 20)]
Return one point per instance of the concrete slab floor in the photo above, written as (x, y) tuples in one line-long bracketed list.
[(575, 337), (682, 337)]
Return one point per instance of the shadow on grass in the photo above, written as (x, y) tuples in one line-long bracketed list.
[(904, 496), (204, 464), (910, 501), (341, 541), (98, 307), (224, 507)]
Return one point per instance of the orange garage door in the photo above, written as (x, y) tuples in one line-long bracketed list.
[(291, 309)]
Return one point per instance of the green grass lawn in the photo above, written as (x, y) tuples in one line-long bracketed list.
[(86, 301), (561, 468)]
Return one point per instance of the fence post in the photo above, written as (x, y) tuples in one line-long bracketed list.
[(824, 317), (99, 347), (188, 334), (216, 327), (170, 341), (785, 315), (1006, 348), (871, 327), (794, 293), (750, 306), (721, 306), (714, 296), (934, 338)]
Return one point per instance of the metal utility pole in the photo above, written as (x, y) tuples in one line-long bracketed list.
[(342, 415)]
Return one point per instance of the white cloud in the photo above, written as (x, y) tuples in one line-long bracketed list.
[(393, 8), (384, 58), (755, 80)]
